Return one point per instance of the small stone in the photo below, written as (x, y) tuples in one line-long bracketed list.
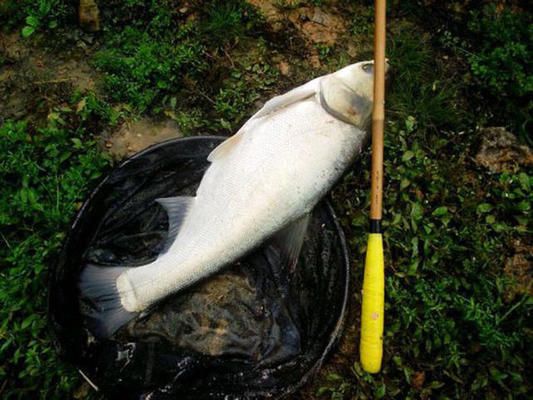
[(352, 50), (314, 60), (284, 68), (89, 15), (88, 38), (418, 379), (501, 151), (519, 269)]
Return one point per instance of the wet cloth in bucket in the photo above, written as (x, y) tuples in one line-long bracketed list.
[(256, 329)]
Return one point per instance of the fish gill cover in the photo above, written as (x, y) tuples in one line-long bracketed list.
[(255, 330)]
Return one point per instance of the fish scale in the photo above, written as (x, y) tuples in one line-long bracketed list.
[(254, 211), (262, 182)]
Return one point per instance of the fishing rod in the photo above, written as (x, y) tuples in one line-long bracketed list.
[(373, 302)]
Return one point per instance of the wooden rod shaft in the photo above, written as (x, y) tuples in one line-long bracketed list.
[(378, 112)]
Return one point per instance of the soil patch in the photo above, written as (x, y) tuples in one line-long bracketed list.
[(134, 136), (34, 79), (317, 26)]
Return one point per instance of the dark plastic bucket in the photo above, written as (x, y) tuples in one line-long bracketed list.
[(254, 330)]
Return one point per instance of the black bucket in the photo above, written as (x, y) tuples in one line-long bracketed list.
[(254, 330)]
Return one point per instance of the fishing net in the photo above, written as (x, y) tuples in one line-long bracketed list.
[(254, 330)]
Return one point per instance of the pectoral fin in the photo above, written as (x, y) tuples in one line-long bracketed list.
[(293, 96), (289, 240), (176, 208), (226, 147)]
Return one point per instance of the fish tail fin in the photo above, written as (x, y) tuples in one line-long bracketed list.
[(98, 285)]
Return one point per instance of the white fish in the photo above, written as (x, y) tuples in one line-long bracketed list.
[(263, 181)]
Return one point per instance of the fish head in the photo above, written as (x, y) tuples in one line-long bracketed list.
[(348, 93)]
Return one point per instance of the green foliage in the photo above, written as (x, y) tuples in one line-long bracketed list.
[(35, 15), (493, 48), (141, 69), (502, 60), (448, 230), (161, 66), (445, 285), (147, 64), (146, 59), (336, 387), (45, 173), (363, 21), (433, 100), (235, 100), (227, 21)]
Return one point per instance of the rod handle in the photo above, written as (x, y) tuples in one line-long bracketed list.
[(372, 317)]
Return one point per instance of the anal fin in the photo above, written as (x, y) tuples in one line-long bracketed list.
[(176, 208), (289, 240)]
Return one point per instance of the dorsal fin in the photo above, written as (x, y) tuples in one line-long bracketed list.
[(176, 208), (273, 105)]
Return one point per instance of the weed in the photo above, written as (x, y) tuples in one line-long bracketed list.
[(288, 4), (148, 65), (436, 102), (504, 56), (448, 226), (336, 388), (362, 22), (188, 121), (239, 92), (140, 69), (324, 51), (37, 15), (501, 64), (45, 173), (227, 21)]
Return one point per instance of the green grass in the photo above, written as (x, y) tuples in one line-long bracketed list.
[(455, 326), (35, 15), (501, 64), (141, 70), (227, 21), (448, 230), (45, 173), (247, 81), (164, 68)]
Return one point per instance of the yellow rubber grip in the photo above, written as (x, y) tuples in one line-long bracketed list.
[(372, 317)]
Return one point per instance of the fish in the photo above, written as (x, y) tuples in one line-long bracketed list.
[(262, 183)]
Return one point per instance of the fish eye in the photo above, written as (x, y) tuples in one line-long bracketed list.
[(368, 67)]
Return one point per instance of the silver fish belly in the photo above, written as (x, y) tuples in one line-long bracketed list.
[(262, 182), (276, 174)]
